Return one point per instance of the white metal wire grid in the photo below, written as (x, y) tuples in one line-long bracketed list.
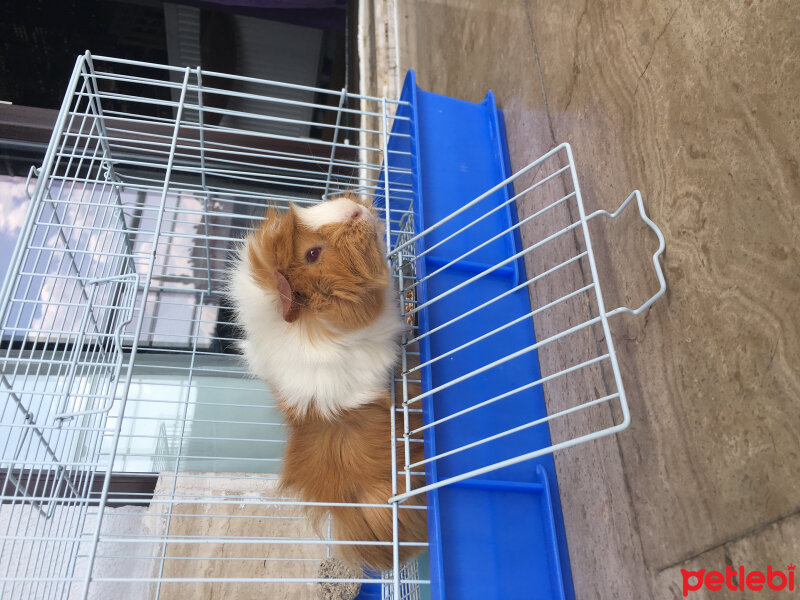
[(561, 243), (117, 359), (118, 364)]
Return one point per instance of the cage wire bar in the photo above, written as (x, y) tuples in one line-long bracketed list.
[(118, 357), (555, 182)]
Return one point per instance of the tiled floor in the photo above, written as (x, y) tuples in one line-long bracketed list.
[(695, 104)]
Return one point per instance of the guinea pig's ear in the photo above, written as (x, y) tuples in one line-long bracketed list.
[(270, 248), (288, 305), (261, 249), (285, 228), (285, 235)]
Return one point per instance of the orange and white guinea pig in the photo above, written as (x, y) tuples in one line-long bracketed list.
[(321, 326)]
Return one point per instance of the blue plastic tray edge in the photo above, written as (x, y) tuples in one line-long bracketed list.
[(409, 94), (554, 517)]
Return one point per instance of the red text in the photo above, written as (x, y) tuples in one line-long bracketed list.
[(738, 579)]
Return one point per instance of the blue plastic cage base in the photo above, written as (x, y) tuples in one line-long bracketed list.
[(500, 535)]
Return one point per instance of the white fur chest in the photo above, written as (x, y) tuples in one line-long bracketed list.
[(332, 373)]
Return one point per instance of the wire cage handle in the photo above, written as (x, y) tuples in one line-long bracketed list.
[(32, 172), (656, 263), (117, 337)]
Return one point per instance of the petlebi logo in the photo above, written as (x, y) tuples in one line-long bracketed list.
[(739, 579)]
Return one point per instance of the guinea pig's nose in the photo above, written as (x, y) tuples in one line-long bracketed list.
[(355, 213)]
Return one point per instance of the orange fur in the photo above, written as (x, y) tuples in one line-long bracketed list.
[(349, 460), (345, 287)]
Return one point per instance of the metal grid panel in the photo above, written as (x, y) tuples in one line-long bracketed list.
[(66, 308), (118, 355), (561, 233)]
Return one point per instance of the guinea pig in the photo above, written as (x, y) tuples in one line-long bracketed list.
[(321, 325)]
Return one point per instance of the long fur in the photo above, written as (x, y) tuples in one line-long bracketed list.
[(349, 461), (340, 351), (325, 337)]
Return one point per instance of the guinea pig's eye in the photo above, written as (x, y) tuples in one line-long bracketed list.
[(312, 255)]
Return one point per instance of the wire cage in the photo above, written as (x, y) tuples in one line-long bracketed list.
[(139, 459)]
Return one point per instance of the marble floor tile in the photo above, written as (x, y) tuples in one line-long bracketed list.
[(776, 544), (489, 45), (230, 557), (696, 105)]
